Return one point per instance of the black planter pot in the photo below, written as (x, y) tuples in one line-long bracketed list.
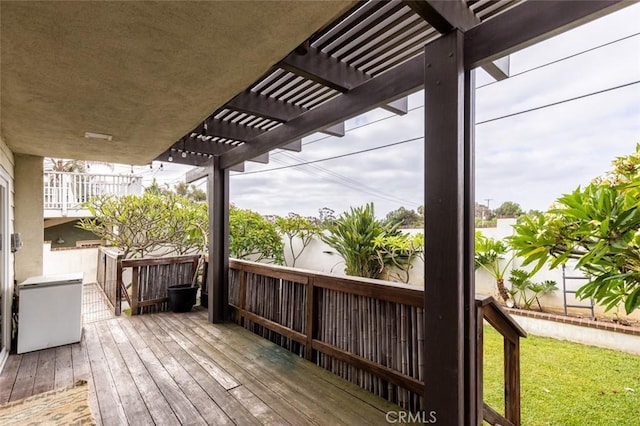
[(182, 297), (204, 299)]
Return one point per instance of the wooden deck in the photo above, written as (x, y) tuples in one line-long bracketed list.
[(179, 369)]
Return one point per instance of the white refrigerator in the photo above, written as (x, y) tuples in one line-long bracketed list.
[(50, 311)]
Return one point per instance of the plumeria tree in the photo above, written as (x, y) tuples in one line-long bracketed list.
[(297, 228), (599, 227)]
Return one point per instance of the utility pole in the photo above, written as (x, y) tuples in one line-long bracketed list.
[(488, 200)]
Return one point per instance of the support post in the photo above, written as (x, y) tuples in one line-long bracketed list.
[(218, 276), (449, 383)]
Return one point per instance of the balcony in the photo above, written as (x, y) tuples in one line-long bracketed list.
[(65, 192)]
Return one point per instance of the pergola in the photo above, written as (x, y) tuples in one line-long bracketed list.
[(374, 56), (147, 72)]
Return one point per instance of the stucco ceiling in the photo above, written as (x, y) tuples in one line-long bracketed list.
[(144, 72)]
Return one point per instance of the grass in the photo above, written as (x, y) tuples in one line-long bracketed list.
[(565, 383)]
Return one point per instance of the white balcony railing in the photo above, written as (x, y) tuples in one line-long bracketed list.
[(65, 192)]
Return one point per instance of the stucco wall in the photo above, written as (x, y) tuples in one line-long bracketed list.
[(320, 257), (29, 212), (65, 261)]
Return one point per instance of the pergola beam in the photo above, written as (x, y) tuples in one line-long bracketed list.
[(445, 15), (337, 130), (227, 130), (529, 23), (398, 107), (265, 107), (405, 79), (317, 66)]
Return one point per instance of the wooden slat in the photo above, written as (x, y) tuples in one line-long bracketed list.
[(129, 395), (45, 373), (23, 385), (111, 410), (274, 326), (512, 381), (155, 402), (8, 377), (381, 371), (262, 359), (494, 418)]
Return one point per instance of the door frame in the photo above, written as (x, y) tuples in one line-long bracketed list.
[(6, 265)]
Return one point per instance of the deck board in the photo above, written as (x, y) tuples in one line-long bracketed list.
[(180, 369)]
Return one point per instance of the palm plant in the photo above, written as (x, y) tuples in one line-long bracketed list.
[(489, 255), (353, 234), (526, 291)]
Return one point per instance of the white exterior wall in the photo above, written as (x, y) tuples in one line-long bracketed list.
[(318, 256), (70, 260)]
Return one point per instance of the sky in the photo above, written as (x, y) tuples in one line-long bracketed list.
[(530, 158)]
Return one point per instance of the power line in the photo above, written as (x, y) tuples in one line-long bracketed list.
[(352, 183), (332, 158), (562, 59), (558, 103)]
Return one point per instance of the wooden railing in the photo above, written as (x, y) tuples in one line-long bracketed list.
[(147, 279), (109, 276), (488, 310), (151, 277), (369, 332)]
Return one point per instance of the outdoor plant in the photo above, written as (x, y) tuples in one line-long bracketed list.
[(135, 224), (396, 253), (525, 291), (353, 236), (253, 237), (599, 226), (490, 255), (296, 227)]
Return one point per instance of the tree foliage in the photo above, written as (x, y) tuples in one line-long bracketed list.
[(509, 209), (139, 225), (183, 189), (407, 218), (353, 235), (295, 227), (253, 237), (599, 226)]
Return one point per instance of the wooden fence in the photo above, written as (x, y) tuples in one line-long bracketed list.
[(149, 279), (369, 332), (109, 276)]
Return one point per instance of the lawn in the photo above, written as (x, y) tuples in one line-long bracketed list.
[(566, 383)]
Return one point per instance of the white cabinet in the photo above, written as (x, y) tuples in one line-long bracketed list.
[(50, 311)]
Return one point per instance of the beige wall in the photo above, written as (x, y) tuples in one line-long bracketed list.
[(29, 219)]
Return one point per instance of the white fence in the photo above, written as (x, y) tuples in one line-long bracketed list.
[(65, 192)]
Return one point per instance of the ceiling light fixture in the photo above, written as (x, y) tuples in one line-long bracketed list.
[(170, 159), (98, 136)]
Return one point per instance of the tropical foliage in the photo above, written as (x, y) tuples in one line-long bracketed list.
[(353, 234), (490, 256), (396, 254), (525, 291), (599, 227)]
